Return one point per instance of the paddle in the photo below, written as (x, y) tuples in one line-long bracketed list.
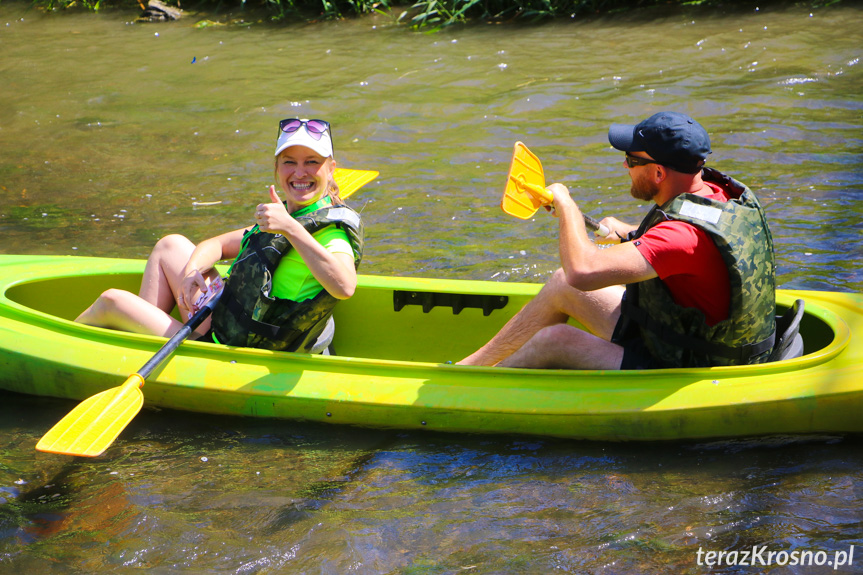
[(525, 190), (90, 428), (350, 181)]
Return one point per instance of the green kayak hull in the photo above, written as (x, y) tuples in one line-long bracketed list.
[(393, 342)]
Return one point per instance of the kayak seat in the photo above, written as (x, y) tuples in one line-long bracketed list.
[(324, 341), (789, 342)]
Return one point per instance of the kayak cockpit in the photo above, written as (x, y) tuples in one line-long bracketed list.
[(406, 319)]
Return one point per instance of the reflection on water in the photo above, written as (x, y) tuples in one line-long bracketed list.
[(110, 132), (199, 494)]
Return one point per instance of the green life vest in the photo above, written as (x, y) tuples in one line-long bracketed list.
[(247, 315), (678, 336)]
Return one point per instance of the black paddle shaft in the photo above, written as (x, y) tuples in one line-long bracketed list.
[(591, 223), (172, 344)]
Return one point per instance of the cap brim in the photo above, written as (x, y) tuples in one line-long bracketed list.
[(622, 137), (301, 137)]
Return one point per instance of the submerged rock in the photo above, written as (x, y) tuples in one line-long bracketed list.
[(159, 12)]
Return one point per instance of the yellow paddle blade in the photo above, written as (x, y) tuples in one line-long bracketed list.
[(525, 185), (90, 428), (350, 181)]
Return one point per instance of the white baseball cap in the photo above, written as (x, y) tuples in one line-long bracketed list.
[(313, 134)]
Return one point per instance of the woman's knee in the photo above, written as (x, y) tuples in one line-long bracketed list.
[(105, 307), (171, 243), (171, 253), (112, 299)]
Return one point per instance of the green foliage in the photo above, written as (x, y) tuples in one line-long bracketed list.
[(427, 15), (437, 13), (285, 10), (91, 5)]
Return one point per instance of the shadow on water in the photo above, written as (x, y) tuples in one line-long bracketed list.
[(224, 465), (205, 492)]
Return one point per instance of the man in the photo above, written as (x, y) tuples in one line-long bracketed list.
[(698, 272)]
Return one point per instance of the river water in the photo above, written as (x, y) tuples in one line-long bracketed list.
[(113, 134)]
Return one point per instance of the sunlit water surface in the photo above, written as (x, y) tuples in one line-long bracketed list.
[(112, 134)]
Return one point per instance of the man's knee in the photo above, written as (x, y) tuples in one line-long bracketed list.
[(558, 279), (553, 346), (556, 284), (558, 291), (558, 335), (565, 346)]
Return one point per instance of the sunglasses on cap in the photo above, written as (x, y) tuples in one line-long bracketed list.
[(634, 161), (315, 128)]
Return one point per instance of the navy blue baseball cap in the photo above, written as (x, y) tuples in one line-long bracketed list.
[(672, 139)]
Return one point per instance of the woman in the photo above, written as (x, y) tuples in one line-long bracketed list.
[(290, 270)]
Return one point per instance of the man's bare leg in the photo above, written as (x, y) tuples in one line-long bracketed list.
[(563, 346), (597, 311)]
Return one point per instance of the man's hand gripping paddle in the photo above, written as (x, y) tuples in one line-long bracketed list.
[(525, 190)]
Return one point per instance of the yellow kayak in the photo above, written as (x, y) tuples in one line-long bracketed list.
[(392, 342)]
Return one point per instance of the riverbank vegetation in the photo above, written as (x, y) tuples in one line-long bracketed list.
[(423, 14)]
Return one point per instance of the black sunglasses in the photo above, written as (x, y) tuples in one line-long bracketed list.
[(315, 128), (634, 161)]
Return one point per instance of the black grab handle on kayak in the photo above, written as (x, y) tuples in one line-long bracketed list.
[(457, 301)]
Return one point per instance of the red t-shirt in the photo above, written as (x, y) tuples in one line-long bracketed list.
[(689, 263)]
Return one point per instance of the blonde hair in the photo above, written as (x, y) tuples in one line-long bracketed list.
[(333, 191)]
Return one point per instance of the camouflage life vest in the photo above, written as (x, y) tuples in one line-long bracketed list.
[(678, 336), (247, 315)]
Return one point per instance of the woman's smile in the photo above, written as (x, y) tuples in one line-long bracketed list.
[(303, 186)]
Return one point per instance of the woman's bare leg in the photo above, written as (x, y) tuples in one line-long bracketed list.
[(149, 311), (164, 271), (122, 310)]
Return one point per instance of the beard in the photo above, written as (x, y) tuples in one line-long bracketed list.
[(643, 189)]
